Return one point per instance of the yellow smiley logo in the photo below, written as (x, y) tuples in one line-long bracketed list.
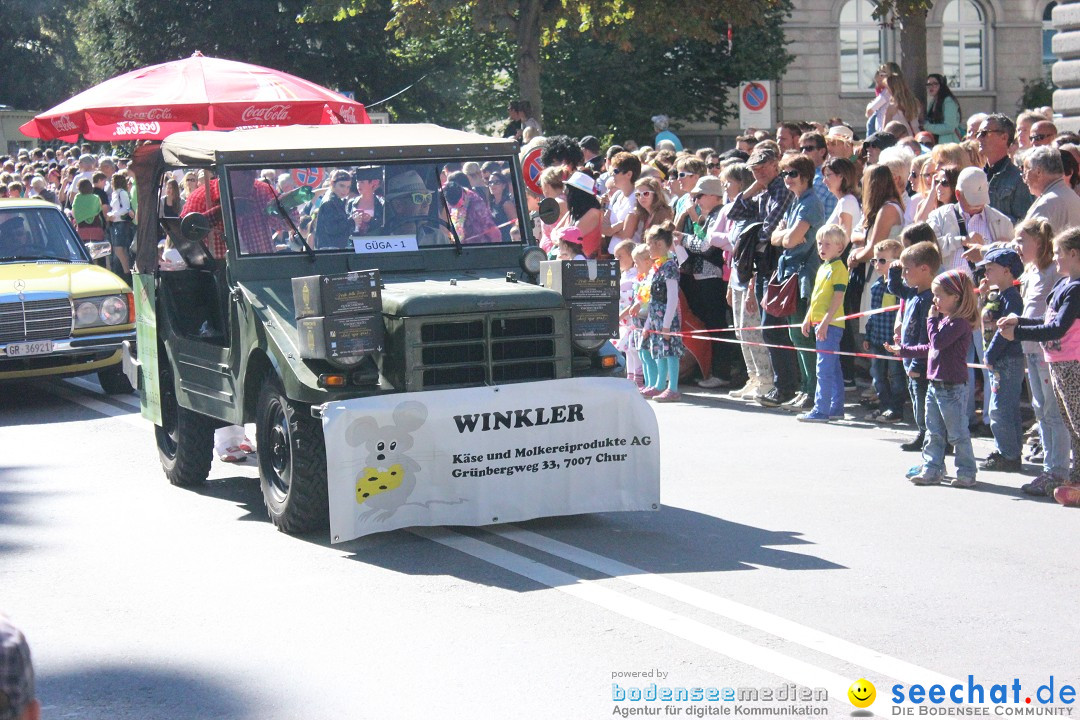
[(862, 693)]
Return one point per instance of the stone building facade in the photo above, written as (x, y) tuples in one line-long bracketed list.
[(1066, 45), (987, 49)]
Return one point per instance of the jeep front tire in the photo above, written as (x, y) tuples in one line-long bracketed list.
[(292, 462), (185, 439)]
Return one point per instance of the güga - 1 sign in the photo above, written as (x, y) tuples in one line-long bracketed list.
[(486, 455)]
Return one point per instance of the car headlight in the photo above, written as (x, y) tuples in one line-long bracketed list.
[(114, 310), (97, 311), (86, 313)]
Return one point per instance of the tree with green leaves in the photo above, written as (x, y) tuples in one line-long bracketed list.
[(37, 54), (687, 79), (530, 25)]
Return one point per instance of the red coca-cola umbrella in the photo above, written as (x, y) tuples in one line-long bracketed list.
[(210, 93)]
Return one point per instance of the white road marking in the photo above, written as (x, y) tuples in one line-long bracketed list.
[(593, 592), (79, 398), (773, 624), (90, 385)]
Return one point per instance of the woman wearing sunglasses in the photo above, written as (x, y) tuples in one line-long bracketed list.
[(796, 237), (942, 191), (652, 208), (502, 203)]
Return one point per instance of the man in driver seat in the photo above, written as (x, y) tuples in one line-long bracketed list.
[(16, 241), (408, 202)]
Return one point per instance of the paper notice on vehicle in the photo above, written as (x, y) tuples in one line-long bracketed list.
[(478, 456)]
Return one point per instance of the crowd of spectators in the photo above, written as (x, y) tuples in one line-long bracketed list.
[(806, 243), (96, 191)]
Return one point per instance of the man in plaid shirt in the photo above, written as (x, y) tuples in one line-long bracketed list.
[(254, 226), (17, 701), (890, 381)]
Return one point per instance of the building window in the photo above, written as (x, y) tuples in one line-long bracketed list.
[(963, 34), (1048, 37), (860, 45)]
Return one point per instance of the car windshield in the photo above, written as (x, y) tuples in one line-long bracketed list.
[(375, 208), (31, 234)]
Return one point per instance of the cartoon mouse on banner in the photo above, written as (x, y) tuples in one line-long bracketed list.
[(389, 478)]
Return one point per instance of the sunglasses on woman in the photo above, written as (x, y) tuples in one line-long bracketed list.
[(643, 193), (789, 173), (420, 198)]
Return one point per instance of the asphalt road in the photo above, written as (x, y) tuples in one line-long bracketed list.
[(783, 553)]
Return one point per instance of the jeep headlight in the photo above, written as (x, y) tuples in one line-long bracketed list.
[(530, 260), (97, 311)]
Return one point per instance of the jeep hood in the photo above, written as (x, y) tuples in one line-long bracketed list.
[(442, 295)]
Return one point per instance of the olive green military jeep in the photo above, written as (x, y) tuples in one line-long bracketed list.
[(288, 228)]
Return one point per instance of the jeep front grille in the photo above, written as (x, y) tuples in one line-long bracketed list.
[(24, 320), (443, 351)]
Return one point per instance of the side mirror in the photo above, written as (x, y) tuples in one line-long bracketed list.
[(548, 211), (98, 250), (195, 226)]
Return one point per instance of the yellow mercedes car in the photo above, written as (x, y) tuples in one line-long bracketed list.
[(60, 314)]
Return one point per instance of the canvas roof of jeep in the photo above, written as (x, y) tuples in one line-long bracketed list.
[(324, 143)]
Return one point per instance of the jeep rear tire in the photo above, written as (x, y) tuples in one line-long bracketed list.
[(185, 439), (113, 381), (292, 462)]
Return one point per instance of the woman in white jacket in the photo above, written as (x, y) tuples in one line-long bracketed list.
[(121, 221)]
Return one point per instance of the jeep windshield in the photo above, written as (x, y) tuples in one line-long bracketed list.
[(38, 234), (374, 208)]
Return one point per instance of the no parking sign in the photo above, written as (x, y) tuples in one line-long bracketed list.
[(531, 169), (312, 176), (755, 104)]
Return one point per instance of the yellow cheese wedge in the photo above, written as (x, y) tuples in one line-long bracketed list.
[(374, 482)]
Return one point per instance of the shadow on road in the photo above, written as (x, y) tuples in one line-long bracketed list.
[(672, 540), (31, 403), (242, 491), (138, 692), (17, 489)]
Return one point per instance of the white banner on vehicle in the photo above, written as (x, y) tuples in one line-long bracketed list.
[(478, 456)]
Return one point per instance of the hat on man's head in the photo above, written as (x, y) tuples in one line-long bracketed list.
[(406, 183), (582, 182), (16, 671), (760, 156), (590, 143), (840, 132), (1005, 257), (974, 186), (708, 185), (734, 154), (880, 140)]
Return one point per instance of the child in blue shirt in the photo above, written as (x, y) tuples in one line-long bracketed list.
[(1005, 357), (918, 265), (890, 383)]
